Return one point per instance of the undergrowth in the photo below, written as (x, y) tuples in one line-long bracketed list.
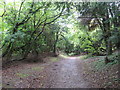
[(100, 63)]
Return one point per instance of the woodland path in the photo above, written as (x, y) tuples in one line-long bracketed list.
[(68, 72)]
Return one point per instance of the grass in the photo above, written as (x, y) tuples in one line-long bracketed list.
[(64, 56), (22, 75), (84, 56), (38, 68), (89, 56), (54, 59), (71, 54)]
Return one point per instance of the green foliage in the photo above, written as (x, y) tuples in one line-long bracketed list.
[(29, 27), (100, 63)]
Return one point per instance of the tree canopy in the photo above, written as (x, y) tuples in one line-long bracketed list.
[(73, 28)]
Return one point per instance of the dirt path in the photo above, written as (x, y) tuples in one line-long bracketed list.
[(66, 73), (60, 72)]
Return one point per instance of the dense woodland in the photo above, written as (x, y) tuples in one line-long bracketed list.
[(91, 28), (59, 44)]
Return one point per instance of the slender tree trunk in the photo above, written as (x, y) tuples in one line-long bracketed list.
[(55, 43)]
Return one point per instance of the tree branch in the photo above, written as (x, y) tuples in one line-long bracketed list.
[(20, 9)]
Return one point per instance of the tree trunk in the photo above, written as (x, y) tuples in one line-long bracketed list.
[(107, 34), (55, 43), (109, 50)]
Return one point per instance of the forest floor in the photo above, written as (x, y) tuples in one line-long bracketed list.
[(61, 72)]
